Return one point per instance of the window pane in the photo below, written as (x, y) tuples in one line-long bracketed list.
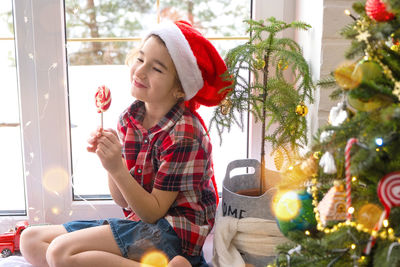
[(211, 17), (12, 195), (96, 62)]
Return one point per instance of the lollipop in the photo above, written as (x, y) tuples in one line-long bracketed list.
[(389, 195), (103, 100)]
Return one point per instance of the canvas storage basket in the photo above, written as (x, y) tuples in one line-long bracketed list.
[(242, 206)]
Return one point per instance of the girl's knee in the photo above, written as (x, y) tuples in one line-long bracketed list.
[(57, 252), (179, 261), (28, 240)]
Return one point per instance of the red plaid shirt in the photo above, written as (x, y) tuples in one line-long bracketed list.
[(174, 155)]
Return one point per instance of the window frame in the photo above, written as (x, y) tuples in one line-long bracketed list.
[(42, 79)]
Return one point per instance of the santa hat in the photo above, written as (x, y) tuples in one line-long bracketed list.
[(197, 62)]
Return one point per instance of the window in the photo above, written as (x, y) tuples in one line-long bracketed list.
[(50, 87), (99, 35), (12, 195)]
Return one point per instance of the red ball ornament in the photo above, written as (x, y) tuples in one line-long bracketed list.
[(376, 10)]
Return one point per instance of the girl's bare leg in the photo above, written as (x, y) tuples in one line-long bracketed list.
[(36, 239), (93, 246), (53, 246)]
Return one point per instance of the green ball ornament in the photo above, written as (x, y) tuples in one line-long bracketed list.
[(370, 70), (305, 218)]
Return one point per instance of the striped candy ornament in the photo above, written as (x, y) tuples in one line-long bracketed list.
[(349, 145), (389, 195)]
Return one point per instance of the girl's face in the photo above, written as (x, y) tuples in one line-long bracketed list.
[(153, 75)]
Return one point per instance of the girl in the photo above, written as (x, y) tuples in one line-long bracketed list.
[(165, 180)]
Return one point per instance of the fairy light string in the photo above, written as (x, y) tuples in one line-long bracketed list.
[(386, 233)]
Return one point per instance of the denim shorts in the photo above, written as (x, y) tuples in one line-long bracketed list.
[(134, 239)]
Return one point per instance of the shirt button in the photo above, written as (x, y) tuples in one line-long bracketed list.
[(146, 141), (139, 170)]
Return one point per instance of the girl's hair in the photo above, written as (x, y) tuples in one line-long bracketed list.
[(132, 54)]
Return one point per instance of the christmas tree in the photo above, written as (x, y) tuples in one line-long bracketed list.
[(274, 98), (352, 173)]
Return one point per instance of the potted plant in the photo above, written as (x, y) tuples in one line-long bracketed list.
[(276, 96)]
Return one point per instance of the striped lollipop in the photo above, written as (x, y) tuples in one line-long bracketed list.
[(103, 100), (389, 195)]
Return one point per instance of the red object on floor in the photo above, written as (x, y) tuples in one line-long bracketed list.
[(9, 241)]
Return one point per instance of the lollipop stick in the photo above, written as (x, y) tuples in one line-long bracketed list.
[(101, 123)]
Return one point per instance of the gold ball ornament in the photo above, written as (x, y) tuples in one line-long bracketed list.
[(283, 64), (369, 215), (309, 166), (225, 106), (348, 76), (259, 64), (301, 110)]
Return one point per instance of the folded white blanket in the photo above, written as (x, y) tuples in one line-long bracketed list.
[(249, 235), (14, 261)]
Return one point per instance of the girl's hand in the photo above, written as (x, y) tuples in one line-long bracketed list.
[(109, 150), (92, 141)]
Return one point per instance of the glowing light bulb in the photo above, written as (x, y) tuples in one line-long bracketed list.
[(351, 210), (385, 223), (379, 141)]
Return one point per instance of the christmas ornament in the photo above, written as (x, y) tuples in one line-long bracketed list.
[(301, 110), (389, 195), (337, 114), (376, 10), (347, 76), (349, 145), (259, 64), (309, 167), (327, 163), (370, 70), (368, 215), (302, 219), (103, 100), (333, 206), (283, 64), (370, 105), (278, 158), (363, 36), (395, 48), (225, 106)]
